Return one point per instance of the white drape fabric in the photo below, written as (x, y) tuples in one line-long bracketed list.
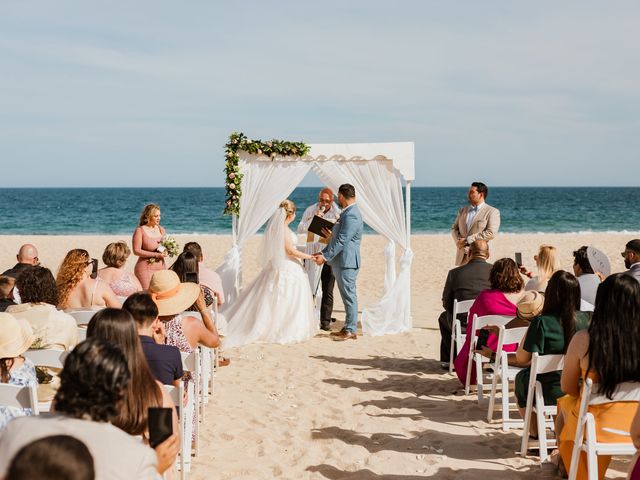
[(265, 184), (380, 199)]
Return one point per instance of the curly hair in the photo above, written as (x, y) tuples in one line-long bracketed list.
[(118, 326), (147, 211), (37, 285), (504, 276), (93, 381), (70, 273), (614, 333)]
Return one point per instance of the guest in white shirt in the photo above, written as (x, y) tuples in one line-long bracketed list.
[(587, 278)]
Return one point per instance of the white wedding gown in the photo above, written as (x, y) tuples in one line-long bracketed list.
[(277, 307)]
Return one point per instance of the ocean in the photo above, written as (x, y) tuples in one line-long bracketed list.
[(93, 211)]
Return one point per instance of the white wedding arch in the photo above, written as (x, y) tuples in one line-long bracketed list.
[(376, 171)]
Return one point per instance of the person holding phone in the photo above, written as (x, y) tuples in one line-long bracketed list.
[(546, 263), (78, 286), (92, 387)]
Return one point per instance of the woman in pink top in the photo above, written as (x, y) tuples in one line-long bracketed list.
[(506, 289), (146, 240), (122, 283)]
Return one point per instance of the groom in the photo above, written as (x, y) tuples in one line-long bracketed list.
[(343, 254)]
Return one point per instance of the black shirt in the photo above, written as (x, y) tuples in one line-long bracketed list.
[(164, 361), (17, 269)]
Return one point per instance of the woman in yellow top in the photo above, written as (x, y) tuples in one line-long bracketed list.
[(608, 353)]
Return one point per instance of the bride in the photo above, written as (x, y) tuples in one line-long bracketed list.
[(277, 307)]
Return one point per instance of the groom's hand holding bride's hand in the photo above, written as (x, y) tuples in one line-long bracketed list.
[(318, 258)]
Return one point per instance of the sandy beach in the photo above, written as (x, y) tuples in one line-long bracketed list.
[(376, 408)]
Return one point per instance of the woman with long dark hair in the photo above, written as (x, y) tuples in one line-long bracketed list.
[(549, 334), (186, 264), (143, 391), (608, 352)]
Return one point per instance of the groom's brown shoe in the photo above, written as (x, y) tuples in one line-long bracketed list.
[(346, 335), (335, 334)]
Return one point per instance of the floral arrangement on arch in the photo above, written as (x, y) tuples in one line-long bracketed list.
[(239, 141)]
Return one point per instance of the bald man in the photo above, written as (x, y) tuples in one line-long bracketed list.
[(27, 257), (463, 283)]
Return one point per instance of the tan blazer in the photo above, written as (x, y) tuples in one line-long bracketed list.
[(484, 226)]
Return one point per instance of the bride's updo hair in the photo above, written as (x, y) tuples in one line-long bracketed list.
[(288, 207)]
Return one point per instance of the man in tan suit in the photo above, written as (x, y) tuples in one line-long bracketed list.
[(476, 221)]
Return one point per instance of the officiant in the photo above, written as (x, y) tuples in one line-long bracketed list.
[(329, 210)]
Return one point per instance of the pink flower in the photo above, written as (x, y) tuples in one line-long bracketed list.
[(232, 186), (234, 141), (232, 175), (229, 202)]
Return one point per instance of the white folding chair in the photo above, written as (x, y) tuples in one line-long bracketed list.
[(49, 358), (585, 439), (535, 404), (82, 316), (19, 397), (456, 328), (82, 334), (177, 394), (46, 357), (507, 374), (475, 359), (191, 363)]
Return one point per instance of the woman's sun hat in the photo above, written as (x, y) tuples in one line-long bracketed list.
[(16, 336), (171, 296), (530, 305)]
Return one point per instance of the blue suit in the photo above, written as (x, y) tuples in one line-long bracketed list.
[(343, 254)]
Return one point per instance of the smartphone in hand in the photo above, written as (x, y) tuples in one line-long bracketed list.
[(519, 259), (160, 425)]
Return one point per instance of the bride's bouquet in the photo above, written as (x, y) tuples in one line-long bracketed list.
[(167, 244)]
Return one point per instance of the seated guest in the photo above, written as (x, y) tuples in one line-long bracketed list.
[(164, 361), (608, 352), (52, 328), (507, 287), (634, 470), (207, 277), (187, 264), (15, 338), (77, 289), (463, 283), (173, 298), (587, 278), (58, 457), (122, 283), (631, 257), (546, 263), (6, 292), (93, 382), (27, 256), (143, 391), (549, 334)]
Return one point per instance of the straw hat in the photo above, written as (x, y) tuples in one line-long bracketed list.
[(16, 336), (530, 305), (171, 296)]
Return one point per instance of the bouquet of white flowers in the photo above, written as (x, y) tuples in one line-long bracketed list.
[(168, 244)]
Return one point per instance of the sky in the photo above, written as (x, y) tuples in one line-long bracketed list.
[(145, 93)]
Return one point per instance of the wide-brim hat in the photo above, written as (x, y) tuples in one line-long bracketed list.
[(16, 336), (171, 296), (530, 305)]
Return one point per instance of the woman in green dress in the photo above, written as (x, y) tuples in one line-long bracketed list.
[(549, 334)]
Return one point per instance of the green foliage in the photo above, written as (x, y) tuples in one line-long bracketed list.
[(239, 141)]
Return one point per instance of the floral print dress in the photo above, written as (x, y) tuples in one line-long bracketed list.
[(25, 375)]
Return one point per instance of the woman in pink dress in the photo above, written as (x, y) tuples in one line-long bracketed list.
[(122, 283), (146, 240), (506, 289)]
